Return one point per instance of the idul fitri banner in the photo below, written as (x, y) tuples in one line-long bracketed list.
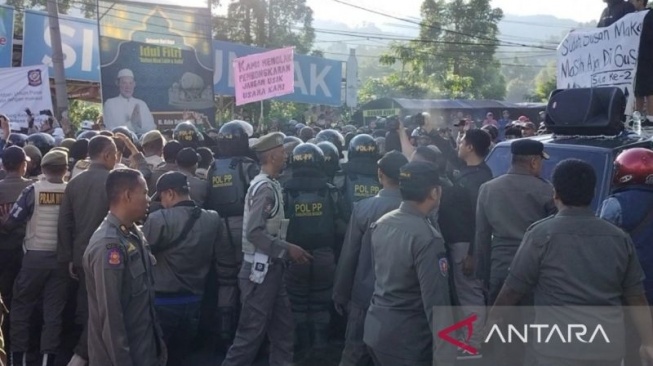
[(156, 64)]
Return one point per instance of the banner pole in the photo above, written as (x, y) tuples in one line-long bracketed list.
[(60, 89)]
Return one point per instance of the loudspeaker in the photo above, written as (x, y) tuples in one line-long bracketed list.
[(586, 111)]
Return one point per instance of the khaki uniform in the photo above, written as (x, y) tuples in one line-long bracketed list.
[(266, 307), (123, 328), (411, 269), (157, 173), (354, 277), (83, 208), (577, 259), (506, 207)]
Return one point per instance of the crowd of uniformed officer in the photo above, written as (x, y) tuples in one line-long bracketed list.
[(279, 238)]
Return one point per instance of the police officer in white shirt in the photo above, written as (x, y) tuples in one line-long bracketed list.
[(125, 110)]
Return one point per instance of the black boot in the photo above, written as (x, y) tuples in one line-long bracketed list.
[(17, 359), (48, 359)]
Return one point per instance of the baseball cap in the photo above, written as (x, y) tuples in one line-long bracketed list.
[(14, 155), (187, 157), (417, 175), (460, 123), (528, 147), (391, 163), (171, 180)]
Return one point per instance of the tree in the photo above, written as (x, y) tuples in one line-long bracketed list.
[(457, 41), (271, 24), (79, 111), (545, 82), (393, 86)]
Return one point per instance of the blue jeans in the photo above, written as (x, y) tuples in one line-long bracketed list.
[(179, 323)]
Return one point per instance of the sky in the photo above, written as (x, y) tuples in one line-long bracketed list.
[(579, 10)]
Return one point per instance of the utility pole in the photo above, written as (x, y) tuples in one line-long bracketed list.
[(60, 89), (270, 23)]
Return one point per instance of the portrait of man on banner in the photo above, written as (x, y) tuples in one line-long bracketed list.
[(125, 110)]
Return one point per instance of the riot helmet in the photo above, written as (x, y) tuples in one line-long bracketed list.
[(233, 139), (188, 135), (249, 129), (87, 134), (307, 156), (16, 139), (363, 146), (331, 158), (127, 132), (42, 141), (333, 137), (290, 143)]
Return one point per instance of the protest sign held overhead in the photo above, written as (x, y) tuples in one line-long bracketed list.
[(602, 56), (264, 75)]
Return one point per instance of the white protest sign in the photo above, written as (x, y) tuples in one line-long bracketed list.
[(21, 88), (602, 56)]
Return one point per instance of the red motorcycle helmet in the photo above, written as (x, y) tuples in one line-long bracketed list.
[(634, 166)]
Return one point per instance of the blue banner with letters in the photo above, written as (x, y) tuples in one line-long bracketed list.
[(6, 35), (79, 39), (317, 80)]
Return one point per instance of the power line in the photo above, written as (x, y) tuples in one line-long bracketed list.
[(406, 26), (425, 41), (370, 36), (436, 28), (484, 60)]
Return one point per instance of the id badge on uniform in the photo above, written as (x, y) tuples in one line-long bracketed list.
[(259, 268)]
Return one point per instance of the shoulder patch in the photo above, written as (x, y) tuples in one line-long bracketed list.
[(114, 257), (443, 264)]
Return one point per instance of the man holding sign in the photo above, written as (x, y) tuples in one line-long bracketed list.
[(615, 10), (644, 76)]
